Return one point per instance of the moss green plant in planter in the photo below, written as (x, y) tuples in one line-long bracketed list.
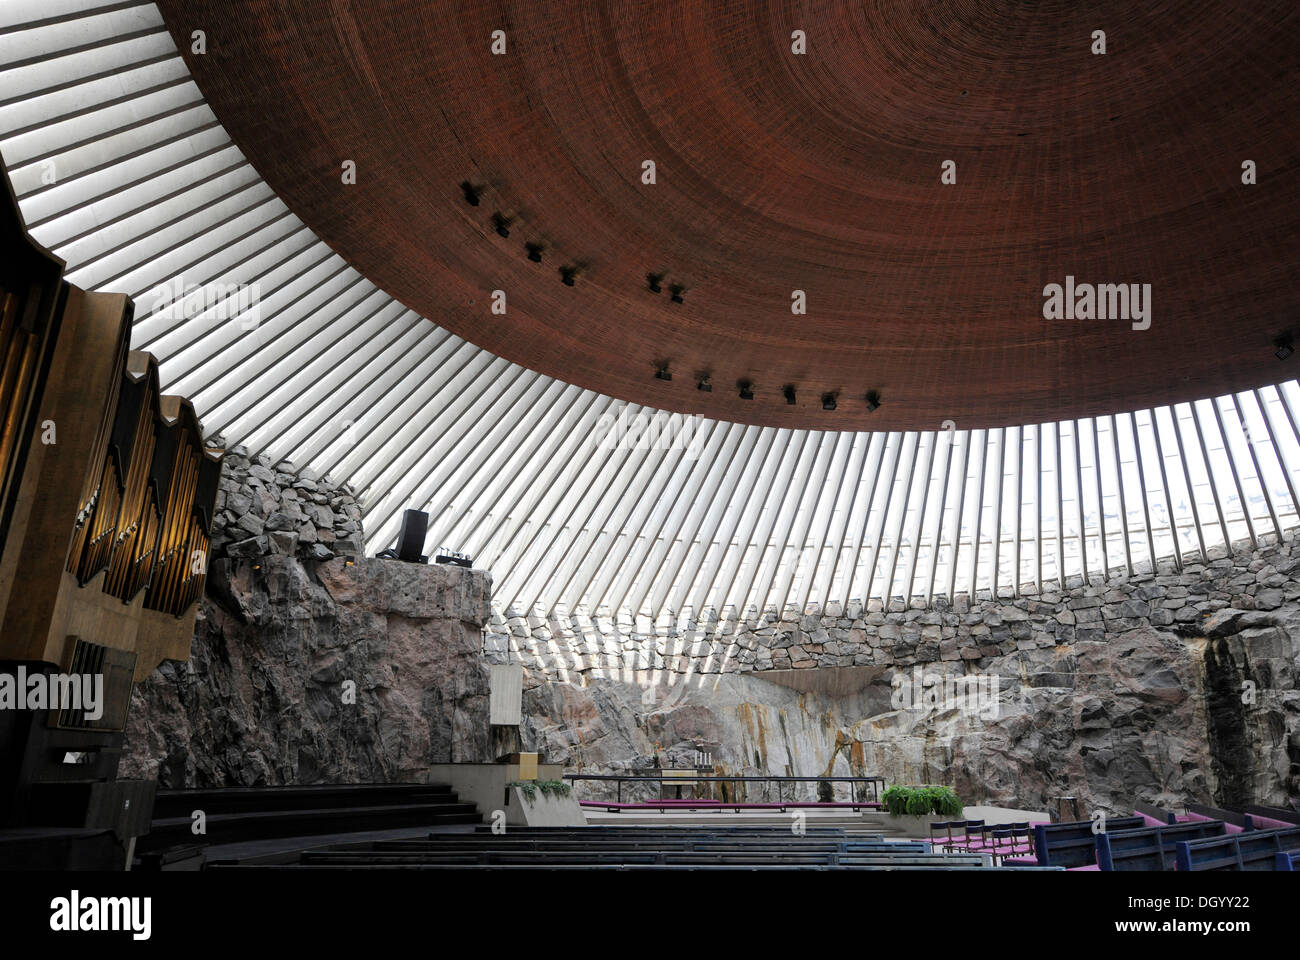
[(552, 788), (921, 801), (527, 787)]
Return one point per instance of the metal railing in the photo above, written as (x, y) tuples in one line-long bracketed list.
[(687, 779)]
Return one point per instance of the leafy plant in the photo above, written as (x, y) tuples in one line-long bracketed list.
[(527, 787), (921, 801), (825, 793), (552, 788)]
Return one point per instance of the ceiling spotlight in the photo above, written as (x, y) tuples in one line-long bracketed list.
[(567, 274), (534, 251), (654, 279), (472, 193), (789, 393), (501, 223), (704, 383), (677, 290), (873, 399), (828, 401), (1284, 346), (661, 371), (746, 390)]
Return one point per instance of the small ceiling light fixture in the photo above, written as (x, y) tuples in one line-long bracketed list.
[(1285, 346), (873, 399), (567, 274), (789, 393), (704, 383), (472, 193), (501, 223), (661, 371), (676, 289), (828, 401), (746, 390), (534, 251), (654, 280)]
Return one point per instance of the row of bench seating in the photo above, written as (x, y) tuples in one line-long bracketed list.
[(1144, 843), (240, 814), (1249, 850), (1150, 848), (620, 848)]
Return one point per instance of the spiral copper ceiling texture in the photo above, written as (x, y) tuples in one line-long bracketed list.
[(778, 171)]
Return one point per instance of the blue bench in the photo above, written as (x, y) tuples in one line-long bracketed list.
[(1252, 850), (1288, 860), (1151, 848), (1159, 814), (1073, 844)]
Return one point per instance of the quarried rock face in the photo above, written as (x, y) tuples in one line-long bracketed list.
[(1171, 686), (319, 672), (1147, 714)]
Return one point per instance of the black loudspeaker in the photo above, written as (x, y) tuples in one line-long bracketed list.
[(410, 539)]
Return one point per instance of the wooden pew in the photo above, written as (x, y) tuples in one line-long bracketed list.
[(1251, 850), (1073, 844), (1150, 848)]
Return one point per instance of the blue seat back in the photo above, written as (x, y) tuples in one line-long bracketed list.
[(1252, 850), (1150, 848), (1073, 844)]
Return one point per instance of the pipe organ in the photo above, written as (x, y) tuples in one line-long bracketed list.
[(106, 509)]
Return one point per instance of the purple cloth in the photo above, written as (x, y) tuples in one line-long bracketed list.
[(1268, 823), (1193, 817)]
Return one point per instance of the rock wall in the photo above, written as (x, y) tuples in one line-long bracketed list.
[(1170, 687), (264, 508), (305, 671)]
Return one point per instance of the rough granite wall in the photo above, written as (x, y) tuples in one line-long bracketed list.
[(264, 697), (264, 508), (1168, 687)]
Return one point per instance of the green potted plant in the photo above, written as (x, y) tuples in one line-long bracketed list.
[(915, 807)]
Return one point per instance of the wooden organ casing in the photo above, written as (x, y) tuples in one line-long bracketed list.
[(107, 499)]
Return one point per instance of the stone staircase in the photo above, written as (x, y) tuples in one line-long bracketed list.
[(241, 814)]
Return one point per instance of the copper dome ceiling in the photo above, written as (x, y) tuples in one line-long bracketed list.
[(778, 172)]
